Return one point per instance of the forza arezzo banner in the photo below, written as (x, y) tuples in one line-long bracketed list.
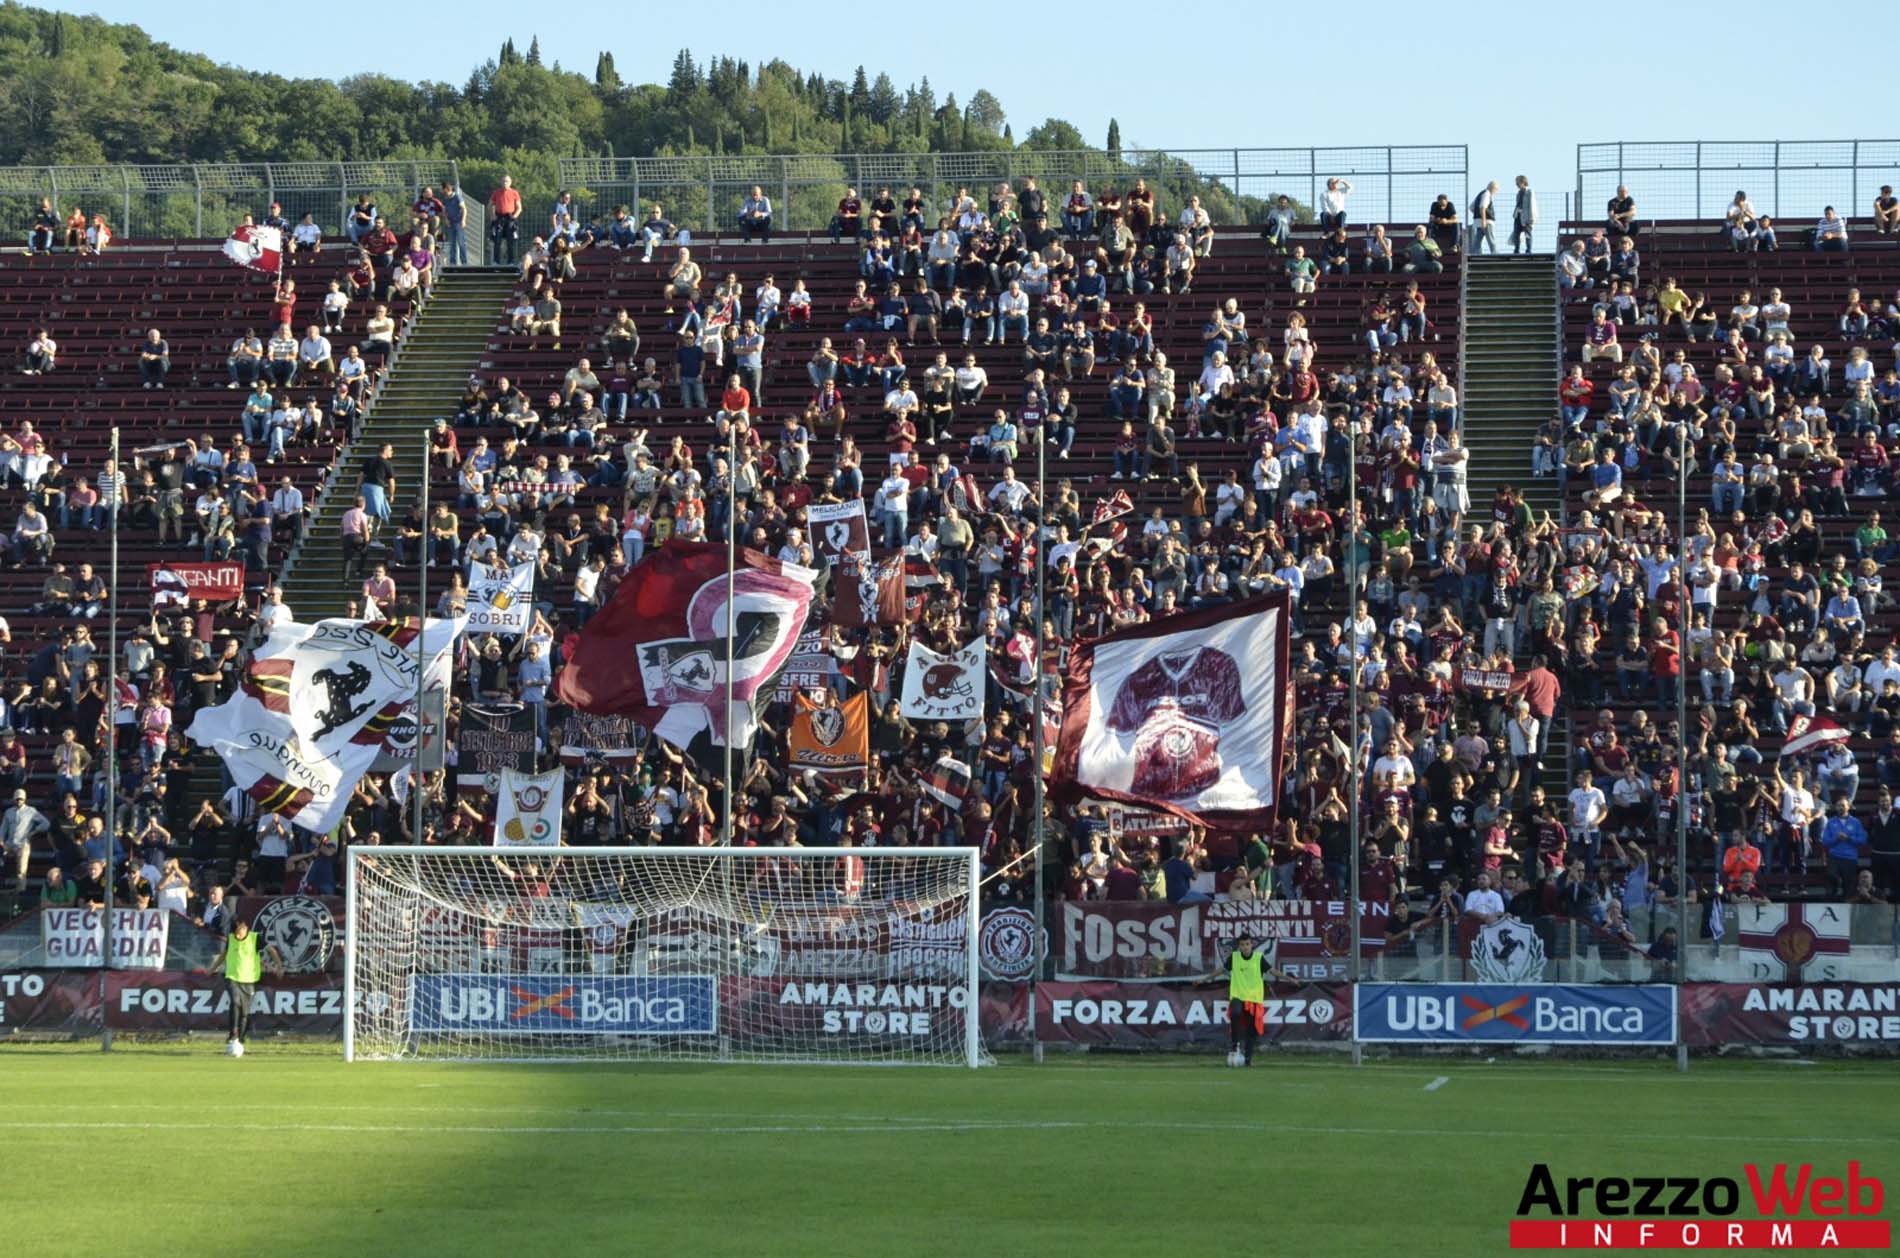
[(175, 1000), (1186, 714), (1150, 1015)]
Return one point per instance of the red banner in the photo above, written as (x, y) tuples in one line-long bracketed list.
[(60, 1001), (177, 584), (173, 1000), (1154, 1015), (1309, 939), (1790, 1014)]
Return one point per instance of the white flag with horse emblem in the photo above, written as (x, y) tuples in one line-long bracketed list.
[(945, 687), (500, 599), (345, 674)]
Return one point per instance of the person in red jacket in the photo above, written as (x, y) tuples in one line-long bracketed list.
[(504, 207)]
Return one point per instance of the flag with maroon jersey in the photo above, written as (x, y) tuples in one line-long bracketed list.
[(1811, 733), (1186, 714), (657, 651), (1115, 505), (256, 247)]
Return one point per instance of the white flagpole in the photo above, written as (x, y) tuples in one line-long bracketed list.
[(416, 779), (732, 559), (112, 742)]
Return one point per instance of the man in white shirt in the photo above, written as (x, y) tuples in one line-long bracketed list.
[(1009, 492), (893, 507), (1393, 771), (1880, 671), (313, 352), (1482, 902), (1587, 811)]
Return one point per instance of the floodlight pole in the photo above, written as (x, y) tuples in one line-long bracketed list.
[(112, 743), (418, 780), (1352, 703), (1682, 729), (1037, 931)]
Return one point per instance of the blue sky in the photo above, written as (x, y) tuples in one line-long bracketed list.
[(1521, 85)]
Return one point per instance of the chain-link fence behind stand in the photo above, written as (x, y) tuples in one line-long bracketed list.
[(1698, 179)]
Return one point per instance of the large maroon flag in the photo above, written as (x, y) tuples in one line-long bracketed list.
[(657, 652), (1187, 715)]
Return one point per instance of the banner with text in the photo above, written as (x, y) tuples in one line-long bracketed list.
[(1143, 939), (55, 1001), (77, 937), (1490, 1013), (1862, 1015), (174, 1000), (1152, 1015)]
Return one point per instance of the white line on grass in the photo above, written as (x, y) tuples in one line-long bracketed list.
[(857, 1129), (1438, 1083)]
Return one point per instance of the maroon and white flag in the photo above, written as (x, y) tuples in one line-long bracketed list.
[(259, 248), (1811, 733), (177, 584), (1187, 714), (866, 593), (656, 653), (1795, 942), (1115, 505)]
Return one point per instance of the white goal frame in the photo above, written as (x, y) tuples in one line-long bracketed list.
[(970, 858)]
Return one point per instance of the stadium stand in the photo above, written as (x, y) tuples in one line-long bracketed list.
[(565, 438)]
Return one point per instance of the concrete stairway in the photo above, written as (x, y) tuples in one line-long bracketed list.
[(443, 346), (1510, 362), (1512, 355)]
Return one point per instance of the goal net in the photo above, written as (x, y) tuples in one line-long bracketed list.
[(856, 956)]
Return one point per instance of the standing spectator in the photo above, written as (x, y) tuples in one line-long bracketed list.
[(504, 208), (1484, 219), (1523, 216)]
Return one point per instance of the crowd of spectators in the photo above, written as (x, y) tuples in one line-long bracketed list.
[(1234, 386)]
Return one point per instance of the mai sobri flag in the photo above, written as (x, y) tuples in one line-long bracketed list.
[(830, 737), (500, 599), (1807, 943), (1186, 714), (177, 584), (528, 809), (945, 687), (1812, 733), (656, 653), (255, 247)]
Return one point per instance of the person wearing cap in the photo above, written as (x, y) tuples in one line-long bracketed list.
[(19, 826), (244, 963), (1247, 972)]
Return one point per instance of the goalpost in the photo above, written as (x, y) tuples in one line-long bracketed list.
[(853, 956)]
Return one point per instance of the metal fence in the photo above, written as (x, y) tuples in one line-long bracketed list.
[(162, 202), (1698, 179), (1391, 183)]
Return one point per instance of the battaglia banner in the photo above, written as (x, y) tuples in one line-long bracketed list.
[(1788, 1014), (77, 937), (1491, 1013), (1143, 939), (57, 1001), (173, 1000), (177, 584), (1150, 1015)]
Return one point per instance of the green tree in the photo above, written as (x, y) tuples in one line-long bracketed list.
[(534, 50), (1114, 145), (606, 78)]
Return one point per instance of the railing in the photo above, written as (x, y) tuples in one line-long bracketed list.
[(1390, 182), (170, 202), (1698, 179)]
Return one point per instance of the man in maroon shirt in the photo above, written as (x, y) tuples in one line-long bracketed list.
[(1541, 690)]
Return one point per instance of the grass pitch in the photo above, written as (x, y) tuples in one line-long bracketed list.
[(173, 1148)]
